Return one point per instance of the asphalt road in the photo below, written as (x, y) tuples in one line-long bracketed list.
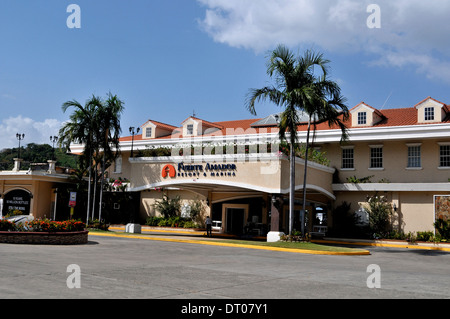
[(134, 268)]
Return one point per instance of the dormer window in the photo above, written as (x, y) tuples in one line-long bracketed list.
[(431, 111), (154, 129), (362, 118), (364, 115), (190, 129), (148, 132), (429, 114)]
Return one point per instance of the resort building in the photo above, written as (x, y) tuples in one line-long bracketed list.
[(34, 191), (241, 175)]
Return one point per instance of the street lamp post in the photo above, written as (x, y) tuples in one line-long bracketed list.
[(53, 139), (20, 137), (132, 132)]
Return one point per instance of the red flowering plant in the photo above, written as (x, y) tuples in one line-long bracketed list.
[(6, 225), (45, 225)]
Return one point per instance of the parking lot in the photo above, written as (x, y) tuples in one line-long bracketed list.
[(135, 268)]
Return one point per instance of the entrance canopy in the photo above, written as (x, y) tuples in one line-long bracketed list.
[(214, 174)]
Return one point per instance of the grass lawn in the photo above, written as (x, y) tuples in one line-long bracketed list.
[(295, 245)]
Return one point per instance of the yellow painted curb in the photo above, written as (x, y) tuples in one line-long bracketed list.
[(164, 231), (382, 245), (201, 242)]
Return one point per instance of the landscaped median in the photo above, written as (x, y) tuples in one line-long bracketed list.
[(291, 247), (43, 232)]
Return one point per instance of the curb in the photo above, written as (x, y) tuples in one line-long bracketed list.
[(388, 244), (357, 242), (212, 243)]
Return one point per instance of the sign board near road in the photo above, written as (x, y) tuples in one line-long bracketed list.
[(73, 199)]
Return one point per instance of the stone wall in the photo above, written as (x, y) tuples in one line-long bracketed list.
[(43, 238)]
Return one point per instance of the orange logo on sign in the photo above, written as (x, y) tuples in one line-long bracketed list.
[(168, 170)]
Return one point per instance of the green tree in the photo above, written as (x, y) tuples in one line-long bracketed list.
[(96, 126), (302, 93), (109, 134), (380, 214)]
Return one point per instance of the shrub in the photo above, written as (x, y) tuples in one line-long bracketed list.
[(163, 222), (43, 225), (46, 225), (174, 221), (96, 224), (191, 224), (443, 228), (196, 211), (153, 221), (425, 236), (168, 207), (6, 225), (12, 213), (380, 213)]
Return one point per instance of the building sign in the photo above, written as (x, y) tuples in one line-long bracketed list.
[(199, 170), (73, 199), (168, 170), (17, 200)]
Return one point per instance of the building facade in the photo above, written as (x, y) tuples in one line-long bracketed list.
[(33, 191), (238, 171)]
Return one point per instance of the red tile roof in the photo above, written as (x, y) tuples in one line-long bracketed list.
[(389, 118), (164, 126)]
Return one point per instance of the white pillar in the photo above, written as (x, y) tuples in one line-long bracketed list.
[(17, 162), (51, 167)]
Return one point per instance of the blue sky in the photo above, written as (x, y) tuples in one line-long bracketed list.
[(167, 59)]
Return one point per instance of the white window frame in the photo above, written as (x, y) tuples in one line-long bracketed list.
[(362, 118), (414, 156), (346, 160), (190, 129), (372, 158), (428, 113), (148, 131), (444, 157)]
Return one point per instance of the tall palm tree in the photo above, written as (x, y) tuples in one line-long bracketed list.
[(299, 89), (97, 126), (82, 129), (109, 134)]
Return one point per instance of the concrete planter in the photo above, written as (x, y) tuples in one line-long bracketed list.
[(44, 238)]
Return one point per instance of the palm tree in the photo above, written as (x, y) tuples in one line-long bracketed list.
[(97, 126), (299, 90), (109, 134), (82, 129)]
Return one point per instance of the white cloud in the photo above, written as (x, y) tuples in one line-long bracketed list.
[(35, 131), (413, 33)]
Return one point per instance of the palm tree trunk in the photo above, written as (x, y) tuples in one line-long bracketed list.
[(292, 186), (101, 190), (304, 177), (89, 191), (95, 192)]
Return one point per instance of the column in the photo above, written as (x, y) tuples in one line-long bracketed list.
[(51, 167), (275, 211), (17, 162)]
